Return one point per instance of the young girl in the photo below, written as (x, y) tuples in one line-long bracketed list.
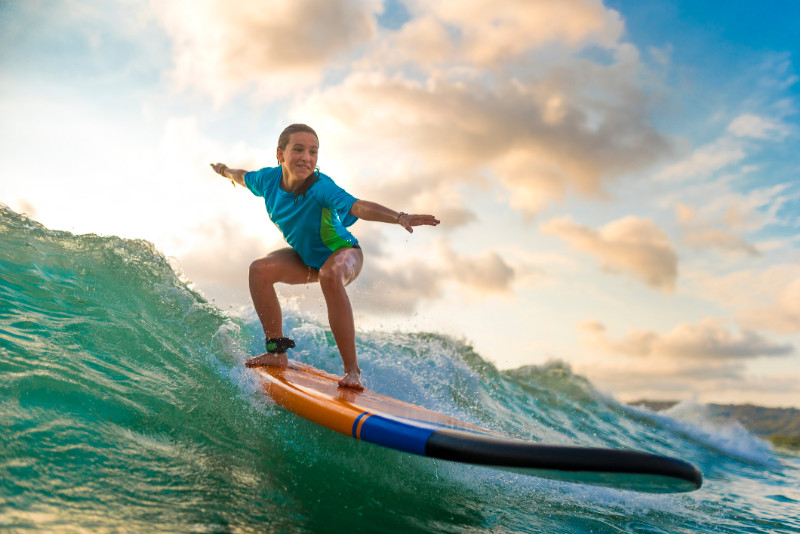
[(313, 214)]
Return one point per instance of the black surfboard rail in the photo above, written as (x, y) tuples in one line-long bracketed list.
[(618, 468)]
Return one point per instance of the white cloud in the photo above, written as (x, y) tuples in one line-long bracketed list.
[(485, 273), (782, 315), (705, 161), (460, 132), (706, 340), (542, 131), (630, 245), (215, 256), (704, 381), (757, 127), (278, 46), (490, 31), (730, 149), (702, 235), (468, 91), (392, 283), (767, 299)]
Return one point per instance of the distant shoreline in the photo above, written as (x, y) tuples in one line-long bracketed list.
[(781, 426)]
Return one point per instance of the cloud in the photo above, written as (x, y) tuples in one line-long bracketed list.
[(629, 245), (189, 150), (706, 340), (218, 258), (782, 315), (714, 217), (756, 127), (705, 381), (490, 31), (485, 273), (392, 286), (541, 128), (480, 91), (705, 161), (222, 46), (536, 140), (701, 234), (729, 149), (398, 285), (397, 289), (417, 191), (768, 299), (664, 374)]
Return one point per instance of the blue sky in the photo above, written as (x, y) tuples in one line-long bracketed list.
[(617, 181)]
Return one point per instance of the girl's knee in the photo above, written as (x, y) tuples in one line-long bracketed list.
[(262, 269), (330, 276)]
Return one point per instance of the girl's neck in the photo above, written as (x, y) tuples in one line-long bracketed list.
[(290, 182)]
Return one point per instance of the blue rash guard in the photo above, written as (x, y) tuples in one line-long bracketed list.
[(314, 224)]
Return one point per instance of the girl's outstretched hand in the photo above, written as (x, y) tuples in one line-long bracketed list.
[(407, 221), (219, 168)]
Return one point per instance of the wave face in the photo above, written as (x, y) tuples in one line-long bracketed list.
[(125, 406)]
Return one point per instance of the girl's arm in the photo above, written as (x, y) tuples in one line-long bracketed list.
[(371, 211), (236, 176)]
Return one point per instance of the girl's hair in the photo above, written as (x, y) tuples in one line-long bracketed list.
[(283, 142)]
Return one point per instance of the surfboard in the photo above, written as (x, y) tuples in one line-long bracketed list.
[(369, 416)]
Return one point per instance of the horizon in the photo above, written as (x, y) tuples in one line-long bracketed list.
[(617, 181)]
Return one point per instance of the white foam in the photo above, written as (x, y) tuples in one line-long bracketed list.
[(726, 436)]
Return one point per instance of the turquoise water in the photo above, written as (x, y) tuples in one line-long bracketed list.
[(125, 407)]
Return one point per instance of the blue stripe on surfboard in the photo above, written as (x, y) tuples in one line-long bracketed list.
[(394, 433)]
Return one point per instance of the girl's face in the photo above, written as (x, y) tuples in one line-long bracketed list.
[(300, 155)]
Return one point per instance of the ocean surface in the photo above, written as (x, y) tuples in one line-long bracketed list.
[(125, 407)]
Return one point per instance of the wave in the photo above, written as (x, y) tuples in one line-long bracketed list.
[(126, 406)]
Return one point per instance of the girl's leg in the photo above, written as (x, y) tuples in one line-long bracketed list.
[(283, 266), (339, 270)]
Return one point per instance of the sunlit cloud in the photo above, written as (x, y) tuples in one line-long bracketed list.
[(540, 129), (782, 315), (707, 340), (705, 381), (766, 299), (705, 161), (631, 245), (463, 130), (277, 47), (218, 257), (484, 273), (701, 234), (390, 284), (490, 31)]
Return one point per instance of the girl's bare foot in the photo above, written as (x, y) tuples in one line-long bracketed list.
[(352, 380), (268, 360)]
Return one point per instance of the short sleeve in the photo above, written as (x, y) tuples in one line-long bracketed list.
[(256, 181), (336, 199)]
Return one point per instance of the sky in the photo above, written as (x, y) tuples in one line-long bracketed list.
[(617, 182)]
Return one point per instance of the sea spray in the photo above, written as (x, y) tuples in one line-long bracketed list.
[(125, 406)]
